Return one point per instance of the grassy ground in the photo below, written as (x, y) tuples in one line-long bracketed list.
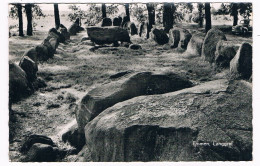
[(74, 69)]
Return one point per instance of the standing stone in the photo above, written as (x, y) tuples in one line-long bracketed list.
[(133, 29), (241, 64), (143, 30), (106, 22), (73, 29), (43, 52), (195, 44), (32, 53), (159, 36), (18, 83), (64, 32), (209, 45), (225, 52), (51, 50), (116, 21), (179, 37), (30, 68)]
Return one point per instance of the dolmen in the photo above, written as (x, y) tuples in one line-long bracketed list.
[(108, 35)]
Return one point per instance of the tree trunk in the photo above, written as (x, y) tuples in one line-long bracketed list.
[(20, 16), (127, 11), (207, 17), (151, 17), (104, 13), (168, 11), (56, 15), (28, 10), (234, 13), (200, 8)]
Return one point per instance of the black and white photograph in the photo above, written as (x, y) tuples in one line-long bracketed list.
[(130, 81)]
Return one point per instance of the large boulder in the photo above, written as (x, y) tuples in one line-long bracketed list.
[(210, 42), (137, 84), (19, 86), (195, 44), (241, 64), (117, 21), (30, 68), (159, 36), (106, 22), (225, 52), (107, 35), (208, 122), (179, 37)]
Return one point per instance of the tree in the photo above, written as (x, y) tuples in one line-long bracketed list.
[(207, 17), (104, 13), (151, 17), (127, 11), (20, 16), (234, 12), (200, 8), (28, 10), (168, 11), (56, 15), (16, 12)]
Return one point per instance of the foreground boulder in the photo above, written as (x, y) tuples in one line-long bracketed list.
[(241, 64), (211, 40), (41, 153), (225, 52), (209, 122), (107, 35), (159, 36), (195, 44), (106, 22), (30, 68), (179, 37), (18, 83), (144, 83), (32, 139)]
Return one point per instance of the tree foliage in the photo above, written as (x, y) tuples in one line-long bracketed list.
[(93, 15), (139, 12), (244, 9), (36, 11)]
